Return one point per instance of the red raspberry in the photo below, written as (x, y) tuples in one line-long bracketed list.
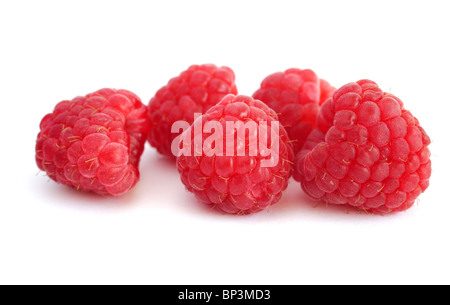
[(326, 91), (368, 152), (194, 91), (240, 183), (94, 143), (296, 96)]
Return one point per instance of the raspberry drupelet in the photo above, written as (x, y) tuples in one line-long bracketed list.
[(94, 142), (367, 152), (296, 96), (194, 91), (237, 183)]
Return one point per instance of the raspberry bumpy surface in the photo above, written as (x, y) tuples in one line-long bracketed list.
[(367, 152), (296, 96), (237, 183), (94, 142), (194, 91)]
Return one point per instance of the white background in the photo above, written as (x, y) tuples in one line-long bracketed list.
[(158, 234)]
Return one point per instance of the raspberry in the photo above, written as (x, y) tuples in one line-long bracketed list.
[(296, 96), (367, 152), (237, 182), (194, 91), (94, 142)]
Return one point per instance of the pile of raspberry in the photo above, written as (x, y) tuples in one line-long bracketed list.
[(355, 146)]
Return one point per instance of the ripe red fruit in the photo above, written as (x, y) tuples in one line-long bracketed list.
[(194, 91), (367, 152), (94, 142), (296, 96), (238, 182)]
